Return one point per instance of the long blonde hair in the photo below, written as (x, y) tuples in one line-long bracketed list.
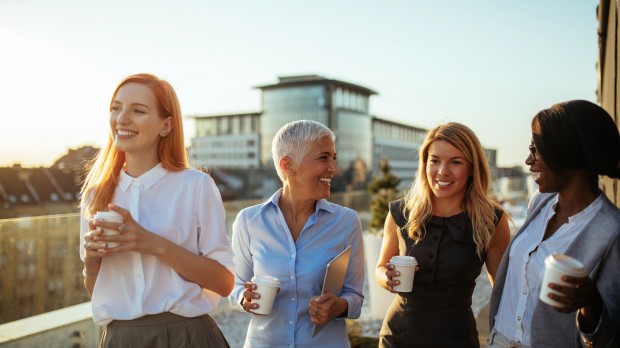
[(103, 173), (478, 207)]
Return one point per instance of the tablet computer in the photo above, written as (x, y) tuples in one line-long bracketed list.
[(335, 273)]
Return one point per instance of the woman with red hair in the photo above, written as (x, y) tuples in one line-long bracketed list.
[(173, 259)]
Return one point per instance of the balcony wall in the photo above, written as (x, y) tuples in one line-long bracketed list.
[(42, 299)]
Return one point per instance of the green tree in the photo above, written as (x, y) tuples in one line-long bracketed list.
[(383, 189)]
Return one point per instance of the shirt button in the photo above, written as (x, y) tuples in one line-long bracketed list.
[(292, 299), (430, 256), (290, 322), (524, 292), (292, 277), (519, 318), (293, 256)]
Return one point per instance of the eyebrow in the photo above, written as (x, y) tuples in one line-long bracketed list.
[(457, 157), (132, 104)]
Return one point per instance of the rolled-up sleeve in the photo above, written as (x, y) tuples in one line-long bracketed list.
[(356, 272)]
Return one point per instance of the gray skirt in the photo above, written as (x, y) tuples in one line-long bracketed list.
[(162, 331)]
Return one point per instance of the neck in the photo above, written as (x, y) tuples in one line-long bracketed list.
[(136, 165), (578, 193), (445, 207), (295, 207)]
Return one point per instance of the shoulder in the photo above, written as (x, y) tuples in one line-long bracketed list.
[(609, 215), (498, 212), (397, 205), (340, 210), (191, 175), (250, 212)]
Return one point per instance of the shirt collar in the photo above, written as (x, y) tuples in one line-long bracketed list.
[(586, 213), (147, 179), (321, 204)]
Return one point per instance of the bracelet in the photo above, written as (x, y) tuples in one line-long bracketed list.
[(88, 275)]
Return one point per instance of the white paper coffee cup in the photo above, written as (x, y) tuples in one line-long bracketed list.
[(556, 266), (267, 287), (110, 216), (406, 266)]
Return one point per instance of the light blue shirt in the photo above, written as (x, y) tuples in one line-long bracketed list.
[(263, 245)]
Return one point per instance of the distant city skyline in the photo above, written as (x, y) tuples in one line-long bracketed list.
[(490, 65)]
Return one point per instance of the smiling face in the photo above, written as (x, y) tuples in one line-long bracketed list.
[(312, 178), (447, 171), (547, 179), (136, 123)]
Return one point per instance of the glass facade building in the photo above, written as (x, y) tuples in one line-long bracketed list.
[(244, 141), (341, 106)]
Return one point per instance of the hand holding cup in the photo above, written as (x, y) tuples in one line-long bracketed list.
[(260, 294)]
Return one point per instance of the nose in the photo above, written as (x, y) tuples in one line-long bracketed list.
[(443, 169), (333, 166), (122, 117), (530, 160)]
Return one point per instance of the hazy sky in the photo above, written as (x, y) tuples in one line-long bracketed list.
[(489, 64)]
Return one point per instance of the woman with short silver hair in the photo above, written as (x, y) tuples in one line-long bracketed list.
[(292, 236)]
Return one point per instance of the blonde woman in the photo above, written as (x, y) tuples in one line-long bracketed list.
[(448, 223), (174, 260)]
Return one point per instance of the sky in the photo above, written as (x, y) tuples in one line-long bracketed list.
[(491, 65)]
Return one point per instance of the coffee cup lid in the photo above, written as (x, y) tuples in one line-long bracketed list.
[(566, 264), (266, 280), (403, 261)]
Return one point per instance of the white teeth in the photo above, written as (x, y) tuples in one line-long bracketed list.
[(125, 132), (327, 180), (536, 175), (443, 183)]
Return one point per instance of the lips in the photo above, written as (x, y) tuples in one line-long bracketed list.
[(125, 133)]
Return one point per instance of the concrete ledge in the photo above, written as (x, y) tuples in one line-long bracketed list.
[(68, 325)]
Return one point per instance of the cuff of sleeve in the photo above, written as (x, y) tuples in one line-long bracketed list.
[(587, 338), (345, 314)]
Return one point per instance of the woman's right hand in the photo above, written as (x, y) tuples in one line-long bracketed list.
[(93, 247), (390, 272), (248, 295)]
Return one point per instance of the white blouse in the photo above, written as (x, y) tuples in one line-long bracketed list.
[(186, 208)]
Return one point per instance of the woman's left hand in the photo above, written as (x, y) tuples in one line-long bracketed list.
[(132, 237), (583, 294), (324, 308)]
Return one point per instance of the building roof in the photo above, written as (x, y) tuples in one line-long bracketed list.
[(309, 80), (225, 115)]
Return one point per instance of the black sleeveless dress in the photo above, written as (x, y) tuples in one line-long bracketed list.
[(437, 312)]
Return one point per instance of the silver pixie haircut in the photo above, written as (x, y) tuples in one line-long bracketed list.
[(294, 140)]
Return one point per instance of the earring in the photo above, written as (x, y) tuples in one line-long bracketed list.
[(163, 134)]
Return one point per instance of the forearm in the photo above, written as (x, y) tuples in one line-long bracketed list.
[(90, 272), (342, 308), (207, 273), (381, 278)]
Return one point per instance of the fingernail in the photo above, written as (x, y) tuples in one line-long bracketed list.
[(397, 274), (256, 295)]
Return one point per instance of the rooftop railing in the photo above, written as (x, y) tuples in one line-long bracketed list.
[(42, 299)]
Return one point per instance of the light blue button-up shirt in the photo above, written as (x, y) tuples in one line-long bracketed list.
[(263, 245)]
